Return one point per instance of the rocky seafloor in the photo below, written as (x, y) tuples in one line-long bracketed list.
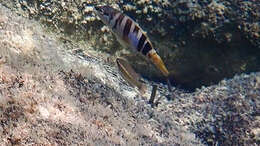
[(210, 39), (53, 94)]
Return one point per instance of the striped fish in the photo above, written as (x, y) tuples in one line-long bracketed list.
[(129, 33)]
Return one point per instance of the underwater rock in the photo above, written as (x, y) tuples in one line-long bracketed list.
[(54, 93), (201, 42)]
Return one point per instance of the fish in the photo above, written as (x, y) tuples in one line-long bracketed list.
[(130, 75), (153, 94), (131, 35)]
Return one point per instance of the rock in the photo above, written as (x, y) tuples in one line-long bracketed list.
[(221, 37), (58, 91)]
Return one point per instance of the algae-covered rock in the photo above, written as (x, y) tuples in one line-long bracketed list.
[(57, 91), (201, 42), (52, 96)]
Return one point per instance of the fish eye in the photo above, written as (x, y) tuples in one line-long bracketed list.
[(98, 9), (105, 13)]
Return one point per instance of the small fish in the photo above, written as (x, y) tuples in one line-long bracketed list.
[(153, 94), (129, 33), (130, 75)]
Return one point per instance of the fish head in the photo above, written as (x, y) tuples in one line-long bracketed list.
[(105, 13)]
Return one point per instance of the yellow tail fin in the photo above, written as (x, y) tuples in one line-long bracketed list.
[(157, 61)]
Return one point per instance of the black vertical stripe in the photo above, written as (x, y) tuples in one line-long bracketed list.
[(114, 27), (111, 17), (127, 27), (120, 18), (146, 48), (141, 42)]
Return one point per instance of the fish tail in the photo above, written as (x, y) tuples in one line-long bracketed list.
[(157, 61)]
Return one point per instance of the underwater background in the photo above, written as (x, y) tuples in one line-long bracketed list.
[(201, 42), (60, 85)]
